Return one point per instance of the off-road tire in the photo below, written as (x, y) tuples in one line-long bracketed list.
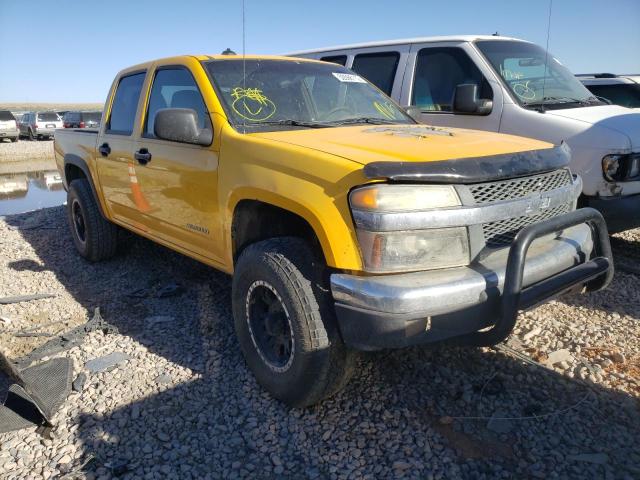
[(14, 139), (100, 236), (320, 364)]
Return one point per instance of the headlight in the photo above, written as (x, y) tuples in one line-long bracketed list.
[(617, 168), (408, 250)]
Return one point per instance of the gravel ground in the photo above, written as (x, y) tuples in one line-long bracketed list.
[(25, 150), (184, 405)]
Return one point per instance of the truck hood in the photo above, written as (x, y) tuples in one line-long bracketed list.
[(405, 143), (625, 121)]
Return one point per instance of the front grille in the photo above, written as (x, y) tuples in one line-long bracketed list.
[(519, 187), (501, 233)]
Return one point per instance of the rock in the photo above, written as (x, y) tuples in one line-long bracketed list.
[(531, 333), (163, 437), (599, 458), (275, 459), (400, 465), (446, 420), (106, 362), (135, 411), (562, 355), (617, 357), (78, 383), (163, 379)]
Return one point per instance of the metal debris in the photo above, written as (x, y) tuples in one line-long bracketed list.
[(106, 362), (25, 298)]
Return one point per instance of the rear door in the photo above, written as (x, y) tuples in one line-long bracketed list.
[(382, 66), (180, 180), (114, 158), (433, 72)]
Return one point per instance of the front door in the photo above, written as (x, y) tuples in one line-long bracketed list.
[(434, 71), (179, 181)]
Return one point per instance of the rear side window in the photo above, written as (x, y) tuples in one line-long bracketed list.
[(6, 115), (339, 59), (379, 68), (438, 72), (174, 88), (125, 103)]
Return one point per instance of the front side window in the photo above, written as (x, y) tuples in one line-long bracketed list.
[(379, 68), (281, 94), (174, 88), (625, 94), (536, 78), (125, 104), (439, 71)]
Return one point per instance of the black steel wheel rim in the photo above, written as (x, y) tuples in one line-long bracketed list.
[(78, 221), (270, 326)]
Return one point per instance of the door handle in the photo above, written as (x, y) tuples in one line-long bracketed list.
[(104, 149), (142, 156)]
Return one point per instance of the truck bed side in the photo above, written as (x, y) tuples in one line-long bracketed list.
[(75, 153)]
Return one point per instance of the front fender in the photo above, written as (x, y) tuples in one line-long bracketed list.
[(330, 220)]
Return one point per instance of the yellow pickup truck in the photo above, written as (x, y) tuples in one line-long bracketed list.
[(346, 225)]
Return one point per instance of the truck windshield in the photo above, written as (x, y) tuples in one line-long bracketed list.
[(521, 66), (281, 94)]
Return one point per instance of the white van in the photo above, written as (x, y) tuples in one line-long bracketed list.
[(501, 84)]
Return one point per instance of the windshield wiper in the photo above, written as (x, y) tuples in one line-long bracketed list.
[(371, 120), (289, 122), (558, 101)]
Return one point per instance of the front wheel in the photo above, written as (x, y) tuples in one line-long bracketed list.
[(285, 322)]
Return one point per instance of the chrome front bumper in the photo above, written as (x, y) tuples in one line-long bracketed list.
[(421, 307)]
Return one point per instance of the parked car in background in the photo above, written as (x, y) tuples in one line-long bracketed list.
[(501, 84), (618, 89), (74, 119), (8, 126), (39, 125)]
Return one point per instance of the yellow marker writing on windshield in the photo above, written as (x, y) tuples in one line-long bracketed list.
[(385, 109), (252, 104)]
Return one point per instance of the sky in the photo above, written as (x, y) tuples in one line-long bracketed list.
[(69, 50)]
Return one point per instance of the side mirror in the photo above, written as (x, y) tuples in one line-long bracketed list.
[(466, 101), (181, 125)]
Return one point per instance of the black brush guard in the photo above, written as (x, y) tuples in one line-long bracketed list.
[(595, 274)]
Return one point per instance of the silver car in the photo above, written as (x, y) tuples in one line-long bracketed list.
[(38, 125), (8, 126)]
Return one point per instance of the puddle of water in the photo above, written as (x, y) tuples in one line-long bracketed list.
[(22, 190)]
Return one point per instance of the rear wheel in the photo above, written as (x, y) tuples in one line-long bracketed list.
[(95, 237), (14, 139), (285, 322)]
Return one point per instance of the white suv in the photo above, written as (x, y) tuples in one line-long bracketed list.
[(618, 89), (37, 125), (8, 126)]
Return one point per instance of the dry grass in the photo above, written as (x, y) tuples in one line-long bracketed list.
[(37, 107)]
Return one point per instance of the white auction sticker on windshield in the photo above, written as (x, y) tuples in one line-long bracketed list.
[(349, 77)]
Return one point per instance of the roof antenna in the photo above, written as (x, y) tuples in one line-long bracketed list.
[(244, 71), (546, 56)]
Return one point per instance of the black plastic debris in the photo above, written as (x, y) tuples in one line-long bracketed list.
[(68, 340), (25, 298), (171, 289), (38, 394)]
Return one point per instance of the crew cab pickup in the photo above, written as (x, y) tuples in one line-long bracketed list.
[(345, 224)]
